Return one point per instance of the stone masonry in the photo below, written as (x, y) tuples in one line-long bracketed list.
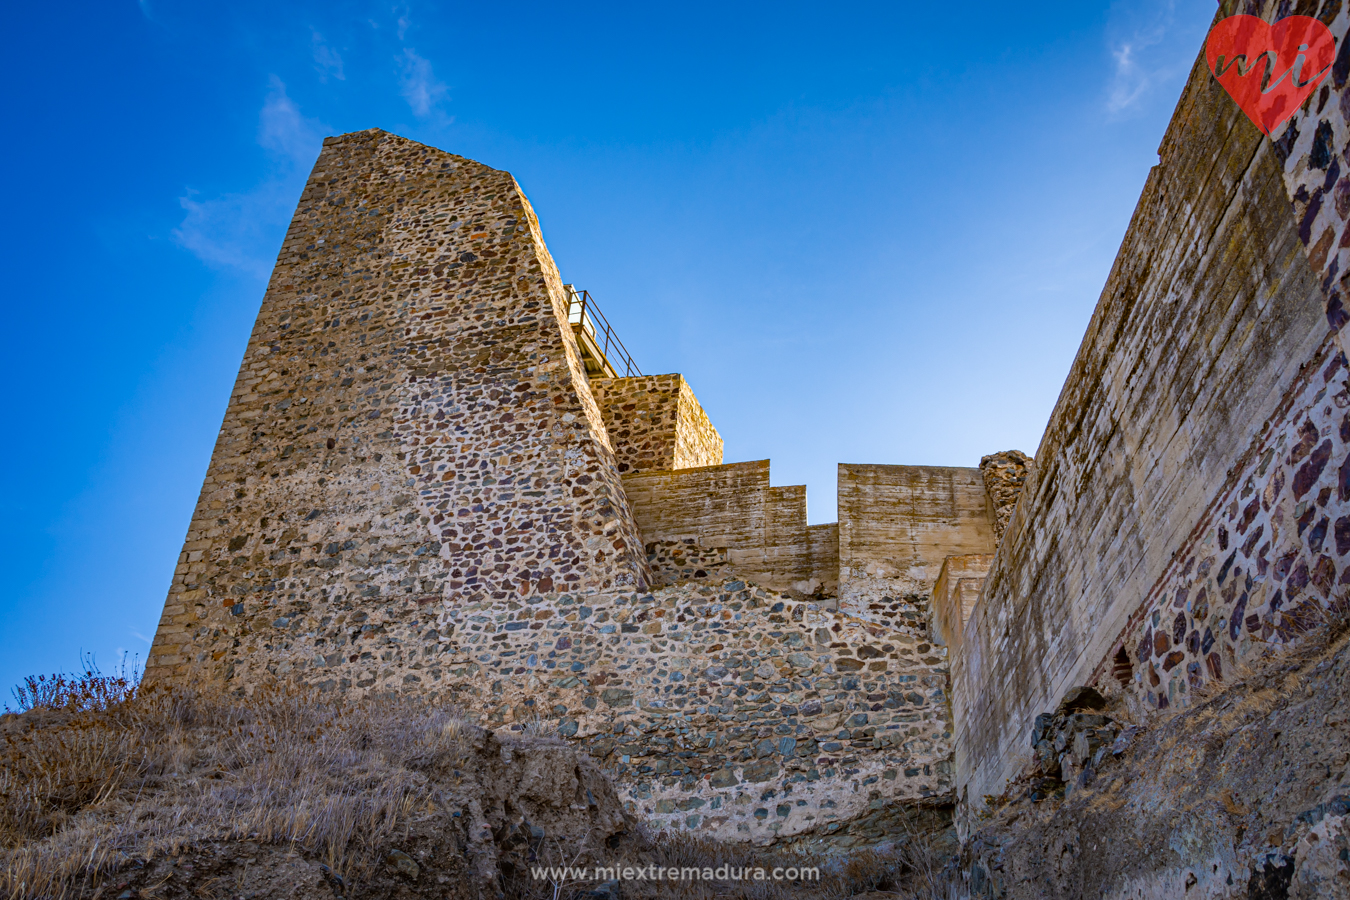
[(1188, 506), (1004, 474), (418, 488), (656, 424), (411, 422)]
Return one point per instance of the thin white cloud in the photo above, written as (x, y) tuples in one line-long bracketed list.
[(1144, 55), (419, 85), (283, 130), (144, 6), (240, 232), (327, 61), (404, 21), (1129, 83)]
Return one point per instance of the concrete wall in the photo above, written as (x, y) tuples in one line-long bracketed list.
[(655, 423), (1207, 361), (411, 423), (824, 541), (1265, 559), (762, 528), (898, 523), (954, 594)]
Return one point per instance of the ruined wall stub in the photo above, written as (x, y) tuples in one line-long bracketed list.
[(957, 588), (896, 526), (733, 508), (656, 423), (1204, 403), (1004, 474), (411, 429)]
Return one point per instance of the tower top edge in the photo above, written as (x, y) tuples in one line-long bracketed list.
[(381, 134)]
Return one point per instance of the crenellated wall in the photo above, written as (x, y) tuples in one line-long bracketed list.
[(897, 524), (732, 508)]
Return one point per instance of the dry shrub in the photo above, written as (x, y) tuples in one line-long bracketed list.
[(97, 772)]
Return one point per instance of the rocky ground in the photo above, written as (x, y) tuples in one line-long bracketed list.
[(109, 793), (1246, 794)]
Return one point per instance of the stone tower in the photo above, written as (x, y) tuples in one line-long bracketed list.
[(412, 420), (437, 475)]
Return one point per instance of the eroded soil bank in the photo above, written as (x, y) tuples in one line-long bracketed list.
[(1245, 794)]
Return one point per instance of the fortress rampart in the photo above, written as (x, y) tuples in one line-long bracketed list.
[(427, 481), (1184, 503)]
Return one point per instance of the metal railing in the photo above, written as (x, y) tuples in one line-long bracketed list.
[(596, 338)]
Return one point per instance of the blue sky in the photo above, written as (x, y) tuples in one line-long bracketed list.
[(864, 233)]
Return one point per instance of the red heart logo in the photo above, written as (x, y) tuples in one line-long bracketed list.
[(1270, 69)]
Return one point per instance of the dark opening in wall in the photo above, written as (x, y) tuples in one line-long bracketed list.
[(1123, 670)]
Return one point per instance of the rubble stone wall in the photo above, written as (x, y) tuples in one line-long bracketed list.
[(411, 424), (655, 423), (686, 560), (1207, 367), (720, 707), (1004, 475)]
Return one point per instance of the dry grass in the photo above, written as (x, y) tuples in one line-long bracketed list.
[(97, 773), (1313, 630)]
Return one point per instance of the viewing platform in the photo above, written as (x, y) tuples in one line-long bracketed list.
[(601, 350)]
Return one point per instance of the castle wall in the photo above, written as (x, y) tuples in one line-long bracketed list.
[(824, 541), (762, 528), (954, 594), (411, 428), (720, 707), (896, 526), (1265, 561), (655, 423), (1204, 404)]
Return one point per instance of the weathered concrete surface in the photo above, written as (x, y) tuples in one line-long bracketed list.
[(656, 423), (1202, 351), (898, 523), (954, 594), (411, 424), (732, 507), (824, 541)]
